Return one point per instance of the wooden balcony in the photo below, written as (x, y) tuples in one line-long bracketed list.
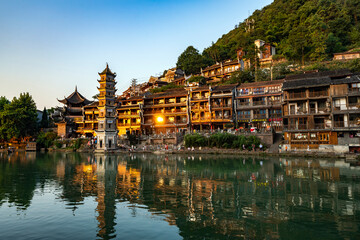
[(259, 103), (297, 95), (221, 105), (296, 127), (319, 110), (323, 93), (259, 116)]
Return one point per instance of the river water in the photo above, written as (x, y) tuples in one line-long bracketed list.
[(145, 196)]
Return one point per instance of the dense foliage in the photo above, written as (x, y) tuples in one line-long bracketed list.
[(191, 61), (301, 30), (221, 140), (18, 118), (199, 79), (46, 139), (44, 123)]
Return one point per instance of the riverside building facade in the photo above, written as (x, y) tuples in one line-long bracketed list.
[(258, 104), (322, 111)]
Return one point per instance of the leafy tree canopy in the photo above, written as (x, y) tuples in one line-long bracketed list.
[(18, 118), (190, 61), (301, 30)]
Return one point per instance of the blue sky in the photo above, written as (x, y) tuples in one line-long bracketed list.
[(47, 47)]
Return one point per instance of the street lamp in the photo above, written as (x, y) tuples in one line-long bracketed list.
[(159, 119)]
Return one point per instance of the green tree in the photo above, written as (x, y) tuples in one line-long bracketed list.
[(190, 61), (44, 119), (241, 77), (3, 101), (200, 79), (19, 118)]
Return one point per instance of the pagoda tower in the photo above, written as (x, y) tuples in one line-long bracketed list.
[(107, 130)]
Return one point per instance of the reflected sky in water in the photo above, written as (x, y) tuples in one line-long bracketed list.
[(76, 196)]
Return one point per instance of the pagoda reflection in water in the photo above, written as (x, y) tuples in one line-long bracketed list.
[(215, 197)]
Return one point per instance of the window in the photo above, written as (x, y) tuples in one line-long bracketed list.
[(258, 90), (243, 91), (244, 115), (324, 137)]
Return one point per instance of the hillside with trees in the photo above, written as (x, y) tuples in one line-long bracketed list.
[(301, 30)]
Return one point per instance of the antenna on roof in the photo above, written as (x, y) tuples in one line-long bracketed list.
[(75, 88)]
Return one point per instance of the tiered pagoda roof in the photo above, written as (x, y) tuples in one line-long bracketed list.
[(75, 98), (107, 71)]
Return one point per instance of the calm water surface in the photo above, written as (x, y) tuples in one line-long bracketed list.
[(74, 196)]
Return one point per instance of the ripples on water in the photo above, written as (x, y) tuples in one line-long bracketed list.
[(73, 196)]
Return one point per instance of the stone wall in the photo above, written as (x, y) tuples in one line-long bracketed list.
[(347, 140), (266, 138)]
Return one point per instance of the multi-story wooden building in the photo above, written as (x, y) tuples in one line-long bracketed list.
[(258, 105), (219, 71), (199, 108), (264, 53), (89, 122), (222, 106), (165, 112), (321, 109), (129, 115), (212, 107)]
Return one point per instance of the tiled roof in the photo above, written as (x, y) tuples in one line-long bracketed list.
[(168, 93), (75, 98), (337, 73), (107, 71), (221, 88), (264, 83), (317, 79)]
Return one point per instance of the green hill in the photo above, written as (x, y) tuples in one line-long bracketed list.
[(301, 30)]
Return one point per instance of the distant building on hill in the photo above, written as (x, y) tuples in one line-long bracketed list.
[(347, 55), (223, 70)]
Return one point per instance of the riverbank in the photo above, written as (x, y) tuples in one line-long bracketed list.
[(350, 156)]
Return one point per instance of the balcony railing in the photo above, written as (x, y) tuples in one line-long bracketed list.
[(346, 124), (274, 102), (344, 107), (244, 103), (318, 93), (275, 116), (259, 116), (221, 105), (319, 126), (354, 90), (244, 116), (258, 103), (295, 127), (319, 110), (297, 95), (222, 117)]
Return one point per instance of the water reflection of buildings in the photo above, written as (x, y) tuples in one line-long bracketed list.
[(214, 197), (106, 183)]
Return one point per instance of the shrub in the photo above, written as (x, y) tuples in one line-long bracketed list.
[(221, 140), (58, 144), (46, 139), (77, 144)]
